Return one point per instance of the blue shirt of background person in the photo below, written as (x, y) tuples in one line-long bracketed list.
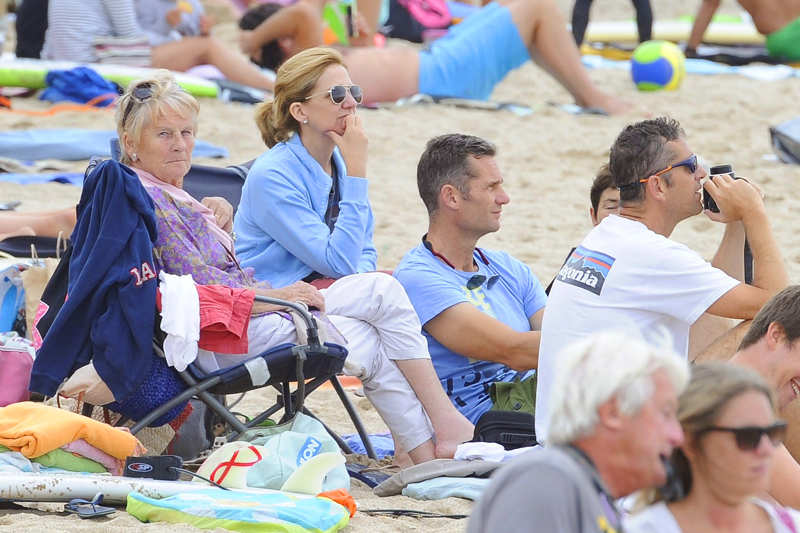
[(510, 294), (280, 224)]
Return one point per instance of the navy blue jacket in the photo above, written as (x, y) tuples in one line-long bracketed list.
[(109, 314)]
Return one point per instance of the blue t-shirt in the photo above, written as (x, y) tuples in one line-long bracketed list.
[(433, 286)]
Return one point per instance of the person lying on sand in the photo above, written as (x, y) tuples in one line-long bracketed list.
[(779, 20), (468, 62), (75, 25)]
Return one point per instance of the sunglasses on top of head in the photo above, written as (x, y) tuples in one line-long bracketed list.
[(749, 437), (339, 92), (139, 94)]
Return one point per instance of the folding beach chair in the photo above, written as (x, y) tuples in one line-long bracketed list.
[(163, 393)]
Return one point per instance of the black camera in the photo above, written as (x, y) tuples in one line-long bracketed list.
[(708, 201)]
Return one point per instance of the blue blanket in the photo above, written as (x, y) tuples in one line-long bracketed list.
[(74, 145), (71, 178)]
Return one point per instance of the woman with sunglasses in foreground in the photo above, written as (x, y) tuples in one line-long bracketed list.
[(723, 468), (305, 215)]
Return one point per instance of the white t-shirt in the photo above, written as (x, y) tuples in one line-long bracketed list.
[(658, 519), (624, 277)]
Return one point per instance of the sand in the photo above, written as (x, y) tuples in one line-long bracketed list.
[(548, 160)]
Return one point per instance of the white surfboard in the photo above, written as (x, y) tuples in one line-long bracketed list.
[(44, 487), (674, 30), (31, 73)]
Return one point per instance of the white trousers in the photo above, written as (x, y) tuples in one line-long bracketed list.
[(374, 314)]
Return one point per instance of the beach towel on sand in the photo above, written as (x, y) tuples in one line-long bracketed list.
[(74, 145), (271, 511), (34, 429)]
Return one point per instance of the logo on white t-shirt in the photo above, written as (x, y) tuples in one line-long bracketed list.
[(586, 269)]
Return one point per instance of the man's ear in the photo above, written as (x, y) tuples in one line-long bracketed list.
[(656, 187), (609, 414), (449, 196), (775, 336), (593, 216)]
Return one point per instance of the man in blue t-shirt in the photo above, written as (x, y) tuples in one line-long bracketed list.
[(481, 310)]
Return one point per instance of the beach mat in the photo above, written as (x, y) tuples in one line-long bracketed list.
[(69, 178), (729, 55), (74, 145), (702, 66)]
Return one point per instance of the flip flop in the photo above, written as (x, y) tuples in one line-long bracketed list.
[(88, 509), (371, 476)]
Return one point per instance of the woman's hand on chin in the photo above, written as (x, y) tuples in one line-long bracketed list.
[(353, 145), (223, 211)]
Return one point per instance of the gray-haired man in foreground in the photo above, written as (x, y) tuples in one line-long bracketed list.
[(613, 425)]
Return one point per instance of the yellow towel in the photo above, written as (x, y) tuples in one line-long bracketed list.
[(34, 429)]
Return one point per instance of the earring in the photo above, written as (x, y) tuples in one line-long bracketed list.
[(305, 121), (134, 157)]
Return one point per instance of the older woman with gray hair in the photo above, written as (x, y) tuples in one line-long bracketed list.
[(613, 426), (728, 415), (156, 123)]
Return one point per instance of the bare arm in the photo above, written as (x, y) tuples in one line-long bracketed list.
[(784, 484), (701, 22), (301, 22), (738, 200), (730, 254), (467, 331)]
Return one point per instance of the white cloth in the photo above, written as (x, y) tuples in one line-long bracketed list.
[(180, 319), (657, 518), (624, 277), (487, 451), (374, 314)]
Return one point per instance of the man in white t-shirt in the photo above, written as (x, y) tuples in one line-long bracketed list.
[(627, 273)]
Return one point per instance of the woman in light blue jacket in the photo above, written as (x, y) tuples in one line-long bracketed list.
[(305, 215)]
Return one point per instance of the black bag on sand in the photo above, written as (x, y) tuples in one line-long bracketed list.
[(512, 429)]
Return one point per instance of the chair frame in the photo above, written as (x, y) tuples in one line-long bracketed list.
[(290, 402)]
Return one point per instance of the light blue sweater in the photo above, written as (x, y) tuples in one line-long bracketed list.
[(280, 227)]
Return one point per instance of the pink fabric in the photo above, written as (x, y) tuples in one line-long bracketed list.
[(179, 194), (224, 318), (15, 375), (84, 449)]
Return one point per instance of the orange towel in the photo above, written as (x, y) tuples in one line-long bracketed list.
[(34, 429)]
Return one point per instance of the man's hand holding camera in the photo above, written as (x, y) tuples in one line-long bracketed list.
[(737, 198)]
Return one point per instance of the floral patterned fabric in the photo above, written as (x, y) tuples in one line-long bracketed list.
[(186, 245)]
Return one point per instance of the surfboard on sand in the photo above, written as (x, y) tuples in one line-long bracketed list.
[(719, 31), (31, 73)]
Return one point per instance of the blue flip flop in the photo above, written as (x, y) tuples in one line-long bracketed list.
[(88, 509)]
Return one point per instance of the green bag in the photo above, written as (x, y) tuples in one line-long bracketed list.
[(518, 395)]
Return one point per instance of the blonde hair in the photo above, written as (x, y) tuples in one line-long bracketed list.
[(165, 95), (294, 82)]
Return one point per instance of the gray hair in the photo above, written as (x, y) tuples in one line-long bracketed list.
[(603, 366), (133, 115), (445, 161)]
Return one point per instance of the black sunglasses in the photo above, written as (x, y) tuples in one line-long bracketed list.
[(479, 279), (749, 437), (339, 92), (139, 94)]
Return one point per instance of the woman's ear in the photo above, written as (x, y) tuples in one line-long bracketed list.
[(298, 113), (128, 144)]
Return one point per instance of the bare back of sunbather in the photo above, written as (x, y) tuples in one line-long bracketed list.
[(385, 74)]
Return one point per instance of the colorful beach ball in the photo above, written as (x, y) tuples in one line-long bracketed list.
[(658, 65)]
